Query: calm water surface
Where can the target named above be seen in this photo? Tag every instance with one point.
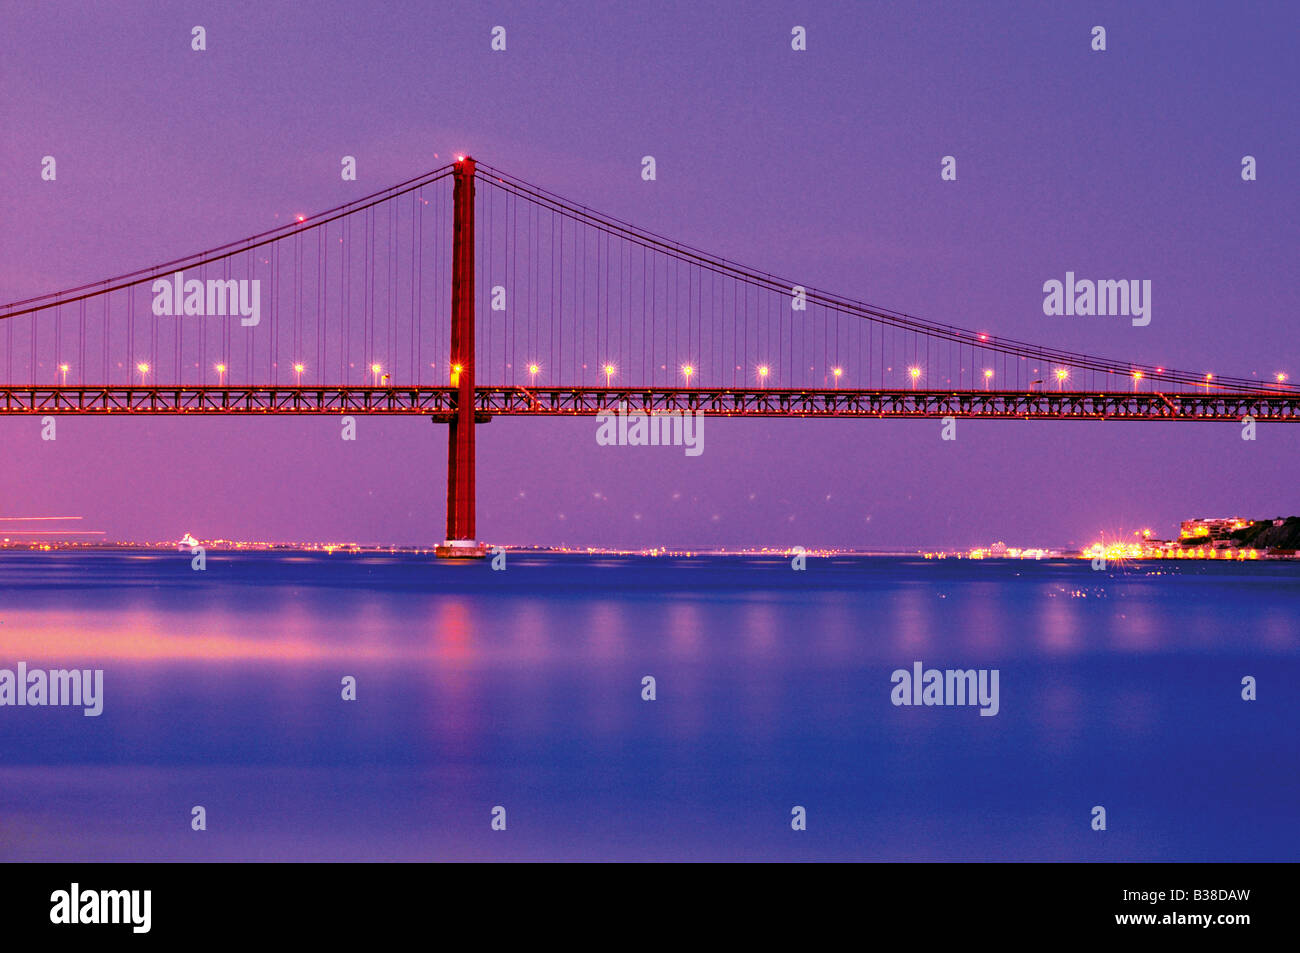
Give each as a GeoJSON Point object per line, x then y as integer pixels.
{"type": "Point", "coordinates": [523, 689]}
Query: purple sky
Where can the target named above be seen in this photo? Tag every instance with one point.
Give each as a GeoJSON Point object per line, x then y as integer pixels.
{"type": "Point", "coordinates": [822, 165]}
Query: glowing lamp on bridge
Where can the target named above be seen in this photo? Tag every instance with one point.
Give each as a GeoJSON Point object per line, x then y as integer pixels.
{"type": "Point", "coordinates": [1208, 379]}
{"type": "Point", "coordinates": [63, 369]}
{"type": "Point", "coordinates": [298, 369]}
{"type": "Point", "coordinates": [988, 374]}
{"type": "Point", "coordinates": [533, 370]}
{"type": "Point", "coordinates": [687, 371]}
{"type": "Point", "coordinates": [1281, 378]}
{"type": "Point", "coordinates": [1062, 375]}
{"type": "Point", "coordinates": [375, 369]}
{"type": "Point", "coordinates": [838, 372]}
{"type": "Point", "coordinates": [143, 368]}
{"type": "Point", "coordinates": [915, 374]}
{"type": "Point", "coordinates": [455, 375]}
{"type": "Point", "coordinates": [221, 375]}
{"type": "Point", "coordinates": [1137, 378]}
{"type": "Point", "coordinates": [763, 372]}
{"type": "Point", "coordinates": [609, 370]}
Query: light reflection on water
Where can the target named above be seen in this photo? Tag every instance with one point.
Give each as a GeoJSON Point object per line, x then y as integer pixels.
{"type": "Point", "coordinates": [524, 688]}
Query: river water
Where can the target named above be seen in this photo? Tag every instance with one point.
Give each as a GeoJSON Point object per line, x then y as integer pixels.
{"type": "Point", "coordinates": [523, 689]}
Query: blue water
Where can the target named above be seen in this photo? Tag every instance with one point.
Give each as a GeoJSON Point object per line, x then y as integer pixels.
{"type": "Point", "coordinates": [523, 689]}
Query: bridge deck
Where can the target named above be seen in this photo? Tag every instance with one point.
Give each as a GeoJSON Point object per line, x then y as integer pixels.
{"type": "Point", "coordinates": [440, 402]}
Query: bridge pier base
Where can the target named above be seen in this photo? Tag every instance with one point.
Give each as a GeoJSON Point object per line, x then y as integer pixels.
{"type": "Point", "coordinates": [461, 549]}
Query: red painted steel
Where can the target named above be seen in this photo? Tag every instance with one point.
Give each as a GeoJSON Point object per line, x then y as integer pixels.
{"type": "Point", "coordinates": [460, 440]}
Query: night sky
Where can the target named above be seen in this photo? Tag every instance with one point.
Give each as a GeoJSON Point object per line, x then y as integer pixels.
{"type": "Point", "coordinates": [822, 165]}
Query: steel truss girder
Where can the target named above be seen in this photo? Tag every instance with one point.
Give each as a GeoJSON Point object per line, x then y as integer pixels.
{"type": "Point", "coordinates": [441, 402]}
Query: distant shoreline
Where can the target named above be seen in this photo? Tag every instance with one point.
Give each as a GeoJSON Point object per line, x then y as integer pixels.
{"type": "Point", "coordinates": [1189, 554]}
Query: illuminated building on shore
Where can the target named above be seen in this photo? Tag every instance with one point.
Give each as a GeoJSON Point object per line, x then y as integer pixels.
{"type": "Point", "coordinates": [1213, 529]}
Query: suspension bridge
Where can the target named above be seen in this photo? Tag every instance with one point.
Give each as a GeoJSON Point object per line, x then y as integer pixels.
{"type": "Point", "coordinates": [467, 293]}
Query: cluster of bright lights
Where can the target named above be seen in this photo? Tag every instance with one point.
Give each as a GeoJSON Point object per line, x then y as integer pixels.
{"type": "Point", "coordinates": [1114, 552]}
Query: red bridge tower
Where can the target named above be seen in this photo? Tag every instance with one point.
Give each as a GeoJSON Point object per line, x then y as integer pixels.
{"type": "Point", "coordinates": [460, 541]}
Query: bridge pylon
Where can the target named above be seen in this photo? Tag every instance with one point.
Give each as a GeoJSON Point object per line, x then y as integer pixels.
{"type": "Point", "coordinates": [461, 542]}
